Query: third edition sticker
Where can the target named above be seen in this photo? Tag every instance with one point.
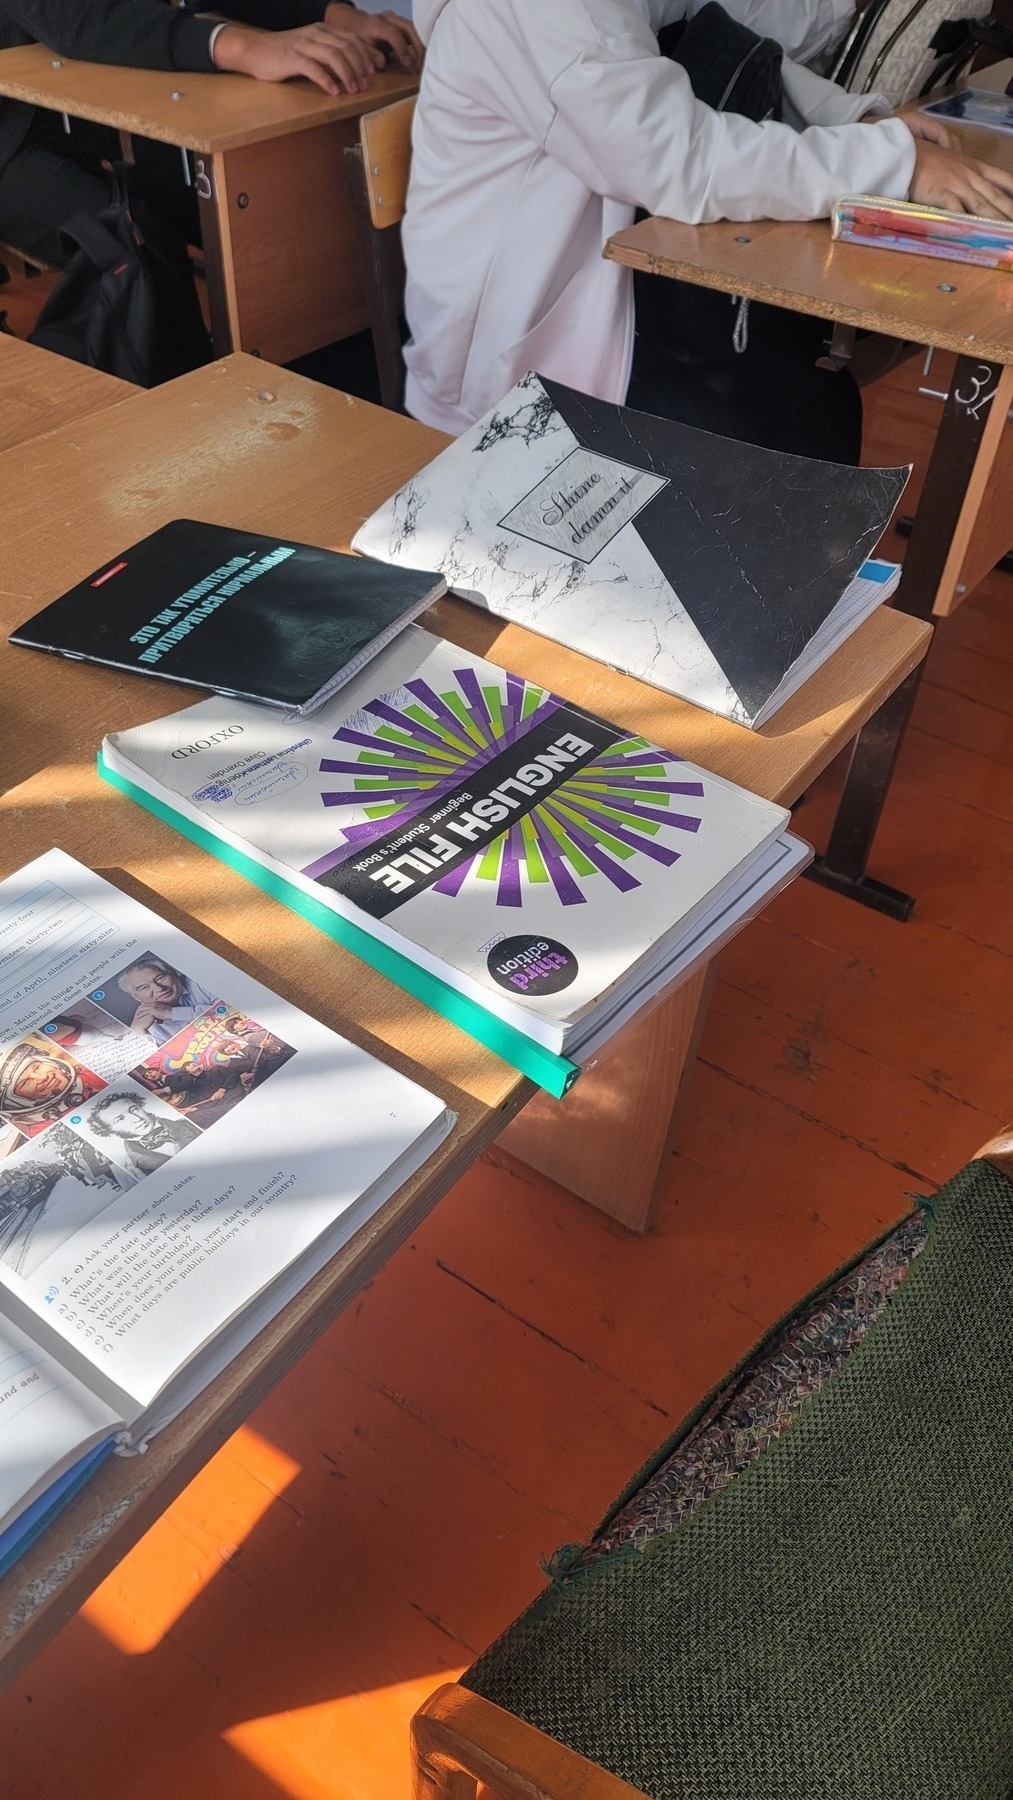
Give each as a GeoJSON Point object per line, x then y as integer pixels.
{"type": "Point", "coordinates": [529, 964]}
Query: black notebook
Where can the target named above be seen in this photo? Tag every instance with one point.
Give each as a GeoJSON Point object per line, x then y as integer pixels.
{"type": "Point", "coordinates": [719, 571]}
{"type": "Point", "coordinates": [258, 617]}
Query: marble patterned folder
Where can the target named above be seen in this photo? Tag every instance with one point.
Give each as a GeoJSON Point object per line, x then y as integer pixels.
{"type": "Point", "coordinates": [719, 571]}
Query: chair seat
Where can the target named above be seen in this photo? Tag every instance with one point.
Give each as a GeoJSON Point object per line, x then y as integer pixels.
{"type": "Point", "coordinates": [763, 1398]}
{"type": "Point", "coordinates": [808, 1595]}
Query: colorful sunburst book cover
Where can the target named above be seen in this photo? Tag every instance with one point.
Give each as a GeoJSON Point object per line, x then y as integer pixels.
{"type": "Point", "coordinates": [719, 571]}
{"type": "Point", "coordinates": [540, 861]}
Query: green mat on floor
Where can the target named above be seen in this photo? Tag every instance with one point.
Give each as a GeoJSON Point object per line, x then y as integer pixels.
{"type": "Point", "coordinates": [837, 1624]}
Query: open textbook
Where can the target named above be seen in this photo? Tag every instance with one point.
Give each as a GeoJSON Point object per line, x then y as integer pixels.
{"type": "Point", "coordinates": [180, 1151]}
{"type": "Point", "coordinates": [530, 870]}
{"type": "Point", "coordinates": [719, 571]}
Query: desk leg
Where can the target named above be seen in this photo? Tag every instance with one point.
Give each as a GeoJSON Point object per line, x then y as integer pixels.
{"type": "Point", "coordinates": [870, 772]}
{"type": "Point", "coordinates": [1003, 566]}
{"type": "Point", "coordinates": [965, 449]}
{"type": "Point", "coordinates": [608, 1140]}
{"type": "Point", "coordinates": [214, 254]}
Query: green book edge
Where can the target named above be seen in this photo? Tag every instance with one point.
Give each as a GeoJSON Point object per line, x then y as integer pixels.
{"type": "Point", "coordinates": [556, 1074]}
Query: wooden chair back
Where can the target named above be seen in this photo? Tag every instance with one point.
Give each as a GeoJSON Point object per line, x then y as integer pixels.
{"type": "Point", "coordinates": [460, 1739]}
{"type": "Point", "coordinates": [378, 167]}
{"type": "Point", "coordinates": [10, 254]}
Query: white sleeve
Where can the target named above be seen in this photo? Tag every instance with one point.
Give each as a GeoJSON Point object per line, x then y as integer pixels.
{"type": "Point", "coordinates": [626, 122]}
{"type": "Point", "coordinates": [810, 100]}
{"type": "Point", "coordinates": [803, 28]}
{"type": "Point", "coordinates": [213, 39]}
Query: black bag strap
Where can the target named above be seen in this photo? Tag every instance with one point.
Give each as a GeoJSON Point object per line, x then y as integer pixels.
{"type": "Point", "coordinates": [853, 47]}
{"type": "Point", "coordinates": [755, 52]}
{"type": "Point", "coordinates": [85, 232]}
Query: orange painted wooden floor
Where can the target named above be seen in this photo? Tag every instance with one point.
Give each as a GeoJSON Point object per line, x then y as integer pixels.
{"type": "Point", "coordinates": [384, 1515]}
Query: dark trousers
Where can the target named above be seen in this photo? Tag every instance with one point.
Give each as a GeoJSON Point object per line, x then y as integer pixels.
{"type": "Point", "coordinates": [56, 174]}
{"type": "Point", "coordinates": [686, 367]}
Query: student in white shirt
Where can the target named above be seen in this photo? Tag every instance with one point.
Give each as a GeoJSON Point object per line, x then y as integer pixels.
{"type": "Point", "coordinates": [543, 124]}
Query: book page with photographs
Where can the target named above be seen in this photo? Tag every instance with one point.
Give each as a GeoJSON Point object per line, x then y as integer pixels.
{"type": "Point", "coordinates": [172, 1134]}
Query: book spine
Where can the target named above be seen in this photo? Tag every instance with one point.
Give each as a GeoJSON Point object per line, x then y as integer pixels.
{"type": "Point", "coordinates": [20, 1536]}
{"type": "Point", "coordinates": [556, 1074]}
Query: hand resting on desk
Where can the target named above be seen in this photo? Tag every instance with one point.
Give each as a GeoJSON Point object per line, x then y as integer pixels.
{"type": "Point", "coordinates": [387, 31]}
{"type": "Point", "coordinates": [960, 183]}
{"type": "Point", "coordinates": [339, 61]}
{"type": "Point", "coordinates": [944, 176]}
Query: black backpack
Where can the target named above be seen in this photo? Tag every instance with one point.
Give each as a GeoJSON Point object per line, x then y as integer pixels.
{"type": "Point", "coordinates": [730, 68]}
{"type": "Point", "coordinates": [689, 338]}
{"type": "Point", "coordinates": [126, 301]}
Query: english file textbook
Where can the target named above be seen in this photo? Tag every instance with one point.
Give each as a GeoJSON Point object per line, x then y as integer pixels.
{"type": "Point", "coordinates": [530, 869]}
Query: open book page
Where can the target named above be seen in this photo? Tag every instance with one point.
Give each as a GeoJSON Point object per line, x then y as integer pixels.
{"type": "Point", "coordinates": [48, 1421]}
{"type": "Point", "coordinates": [975, 106]}
{"type": "Point", "coordinates": [174, 1135]}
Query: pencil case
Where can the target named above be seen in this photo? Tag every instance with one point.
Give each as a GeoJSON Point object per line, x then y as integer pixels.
{"type": "Point", "coordinates": [923, 230]}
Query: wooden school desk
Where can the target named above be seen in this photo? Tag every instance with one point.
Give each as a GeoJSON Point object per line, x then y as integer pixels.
{"type": "Point", "coordinates": [240, 444]}
{"type": "Point", "coordinates": [237, 443]}
{"type": "Point", "coordinates": [280, 244]}
{"type": "Point", "coordinates": [39, 391]}
{"type": "Point", "coordinates": [964, 522]}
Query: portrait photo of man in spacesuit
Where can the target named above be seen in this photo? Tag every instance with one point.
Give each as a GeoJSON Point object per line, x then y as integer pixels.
{"type": "Point", "coordinates": [41, 1082]}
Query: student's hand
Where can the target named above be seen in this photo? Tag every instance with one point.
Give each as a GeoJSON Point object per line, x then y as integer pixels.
{"type": "Point", "coordinates": [960, 183]}
{"type": "Point", "coordinates": [920, 125]}
{"type": "Point", "coordinates": [340, 62]}
{"type": "Point", "coordinates": [386, 30]}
